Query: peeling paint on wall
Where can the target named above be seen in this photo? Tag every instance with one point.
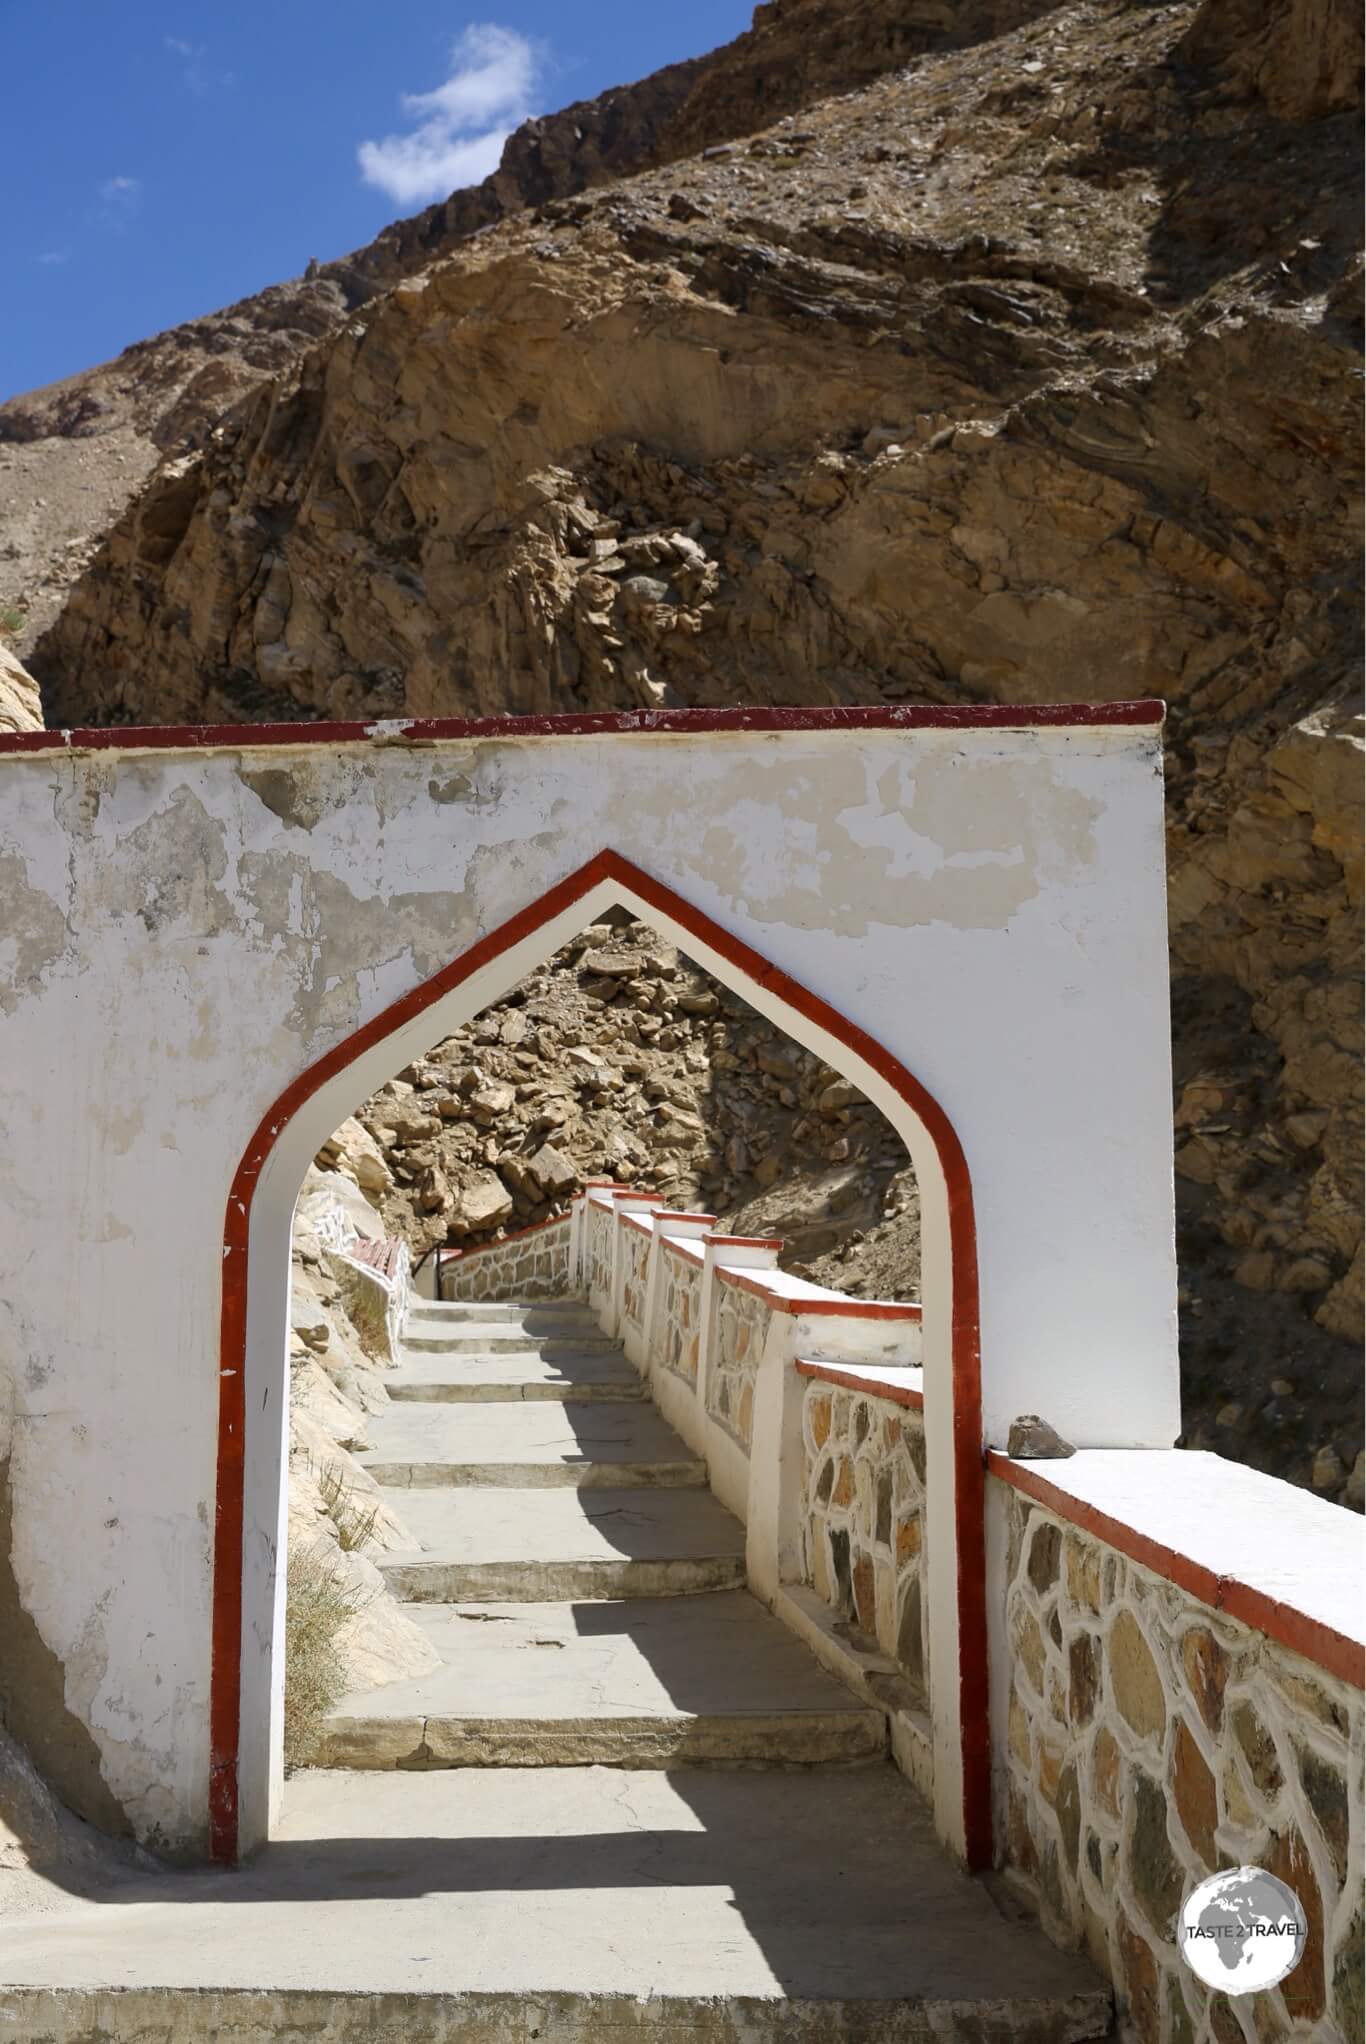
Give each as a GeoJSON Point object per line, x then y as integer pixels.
{"type": "Point", "coordinates": [32, 933]}
{"type": "Point", "coordinates": [186, 933]}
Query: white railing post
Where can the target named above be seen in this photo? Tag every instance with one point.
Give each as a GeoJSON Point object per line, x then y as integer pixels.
{"type": "Point", "coordinates": [574, 1276]}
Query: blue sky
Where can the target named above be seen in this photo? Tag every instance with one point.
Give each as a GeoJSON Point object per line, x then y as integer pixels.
{"type": "Point", "coordinates": [161, 160]}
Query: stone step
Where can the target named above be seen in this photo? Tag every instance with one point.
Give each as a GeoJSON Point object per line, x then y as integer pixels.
{"type": "Point", "coordinates": [641, 1683]}
{"type": "Point", "coordinates": [483, 1313]}
{"type": "Point", "coordinates": [498, 1378]}
{"type": "Point", "coordinates": [476, 1340]}
{"type": "Point", "coordinates": [478, 1905]}
{"type": "Point", "coordinates": [523, 1444]}
{"type": "Point", "coordinates": [534, 1545]}
{"type": "Point", "coordinates": [498, 1309]}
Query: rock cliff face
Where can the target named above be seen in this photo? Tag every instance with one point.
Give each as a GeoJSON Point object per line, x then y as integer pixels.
{"type": "Point", "coordinates": [21, 706]}
{"type": "Point", "coordinates": [1022, 368]}
{"type": "Point", "coordinates": [73, 454]}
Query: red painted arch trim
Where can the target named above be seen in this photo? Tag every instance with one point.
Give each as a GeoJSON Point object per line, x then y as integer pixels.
{"type": "Point", "coordinates": [969, 1471]}
{"type": "Point", "coordinates": [1320, 1643]}
{"type": "Point", "coordinates": [605, 723]}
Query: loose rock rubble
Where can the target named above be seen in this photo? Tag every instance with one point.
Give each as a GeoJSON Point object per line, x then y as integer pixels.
{"type": "Point", "coordinates": [622, 1060]}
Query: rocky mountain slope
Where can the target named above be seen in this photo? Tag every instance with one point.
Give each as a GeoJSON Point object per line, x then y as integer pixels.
{"type": "Point", "coordinates": [74, 453]}
{"type": "Point", "coordinates": [1023, 365]}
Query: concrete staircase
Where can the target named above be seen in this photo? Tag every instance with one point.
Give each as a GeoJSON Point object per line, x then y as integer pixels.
{"type": "Point", "coordinates": [629, 1808]}
{"type": "Point", "coordinates": [583, 1588]}
{"type": "Point", "coordinates": [610, 1688]}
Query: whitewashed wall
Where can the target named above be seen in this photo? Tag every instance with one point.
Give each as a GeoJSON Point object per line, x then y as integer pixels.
{"type": "Point", "coordinates": [186, 932]}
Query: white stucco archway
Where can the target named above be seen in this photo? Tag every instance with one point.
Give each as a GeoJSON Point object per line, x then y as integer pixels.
{"type": "Point", "coordinates": [215, 933]}
{"type": "Point", "coordinates": [247, 1704]}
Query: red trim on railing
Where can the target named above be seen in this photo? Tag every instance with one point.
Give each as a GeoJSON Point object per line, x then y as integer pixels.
{"type": "Point", "coordinates": [746, 1241]}
{"type": "Point", "coordinates": [458, 1255]}
{"type": "Point", "coordinates": [384, 1255]}
{"type": "Point", "coordinates": [640, 1222]}
{"type": "Point", "coordinates": [687, 1246]}
{"type": "Point", "coordinates": [831, 1373]}
{"type": "Point", "coordinates": [1323, 1644]}
{"type": "Point", "coordinates": [969, 1474]}
{"type": "Point", "coordinates": [407, 731]}
{"type": "Point", "coordinates": [831, 1304]}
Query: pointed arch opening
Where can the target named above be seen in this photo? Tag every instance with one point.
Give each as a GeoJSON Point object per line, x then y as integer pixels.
{"type": "Point", "coordinates": [247, 1669]}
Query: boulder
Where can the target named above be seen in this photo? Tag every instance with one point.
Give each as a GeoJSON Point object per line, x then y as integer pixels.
{"type": "Point", "coordinates": [491, 1102]}
{"type": "Point", "coordinates": [479, 1201]}
{"type": "Point", "coordinates": [555, 1174]}
{"type": "Point", "coordinates": [353, 1151]}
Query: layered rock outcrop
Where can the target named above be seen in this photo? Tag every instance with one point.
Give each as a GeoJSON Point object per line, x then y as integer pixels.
{"type": "Point", "coordinates": [74, 453]}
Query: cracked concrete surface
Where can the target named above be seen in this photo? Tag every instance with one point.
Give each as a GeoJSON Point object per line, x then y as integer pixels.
{"type": "Point", "coordinates": [653, 1681]}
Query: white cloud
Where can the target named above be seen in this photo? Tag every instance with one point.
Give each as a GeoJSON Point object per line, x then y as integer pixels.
{"type": "Point", "coordinates": [120, 200]}
{"type": "Point", "coordinates": [50, 257]}
{"type": "Point", "coordinates": [197, 74]}
{"type": "Point", "coordinates": [461, 125]}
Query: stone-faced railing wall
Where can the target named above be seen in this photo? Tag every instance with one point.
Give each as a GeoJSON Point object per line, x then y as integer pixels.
{"type": "Point", "coordinates": [635, 1254]}
{"type": "Point", "coordinates": [532, 1264]}
{"type": "Point", "coordinates": [740, 1318]}
{"type": "Point", "coordinates": [1175, 1686]}
{"type": "Point", "coordinates": [374, 1275]}
{"type": "Point", "coordinates": [677, 1336]}
{"type": "Point", "coordinates": [863, 1486]}
{"type": "Point", "coordinates": [1153, 1738]}
{"type": "Point", "coordinates": [376, 1283]}
{"type": "Point", "coordinates": [600, 1239]}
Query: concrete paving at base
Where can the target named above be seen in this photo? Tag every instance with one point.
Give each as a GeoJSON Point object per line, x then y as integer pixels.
{"type": "Point", "coordinates": [498, 1378]}
{"type": "Point", "coordinates": [529, 1444]}
{"type": "Point", "coordinates": [640, 1683]}
{"type": "Point", "coordinates": [579, 1905]}
{"type": "Point", "coordinates": [536, 1545]}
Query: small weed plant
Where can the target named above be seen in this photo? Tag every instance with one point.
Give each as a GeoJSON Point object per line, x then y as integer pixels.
{"type": "Point", "coordinates": [317, 1607]}
{"type": "Point", "coordinates": [355, 1523]}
